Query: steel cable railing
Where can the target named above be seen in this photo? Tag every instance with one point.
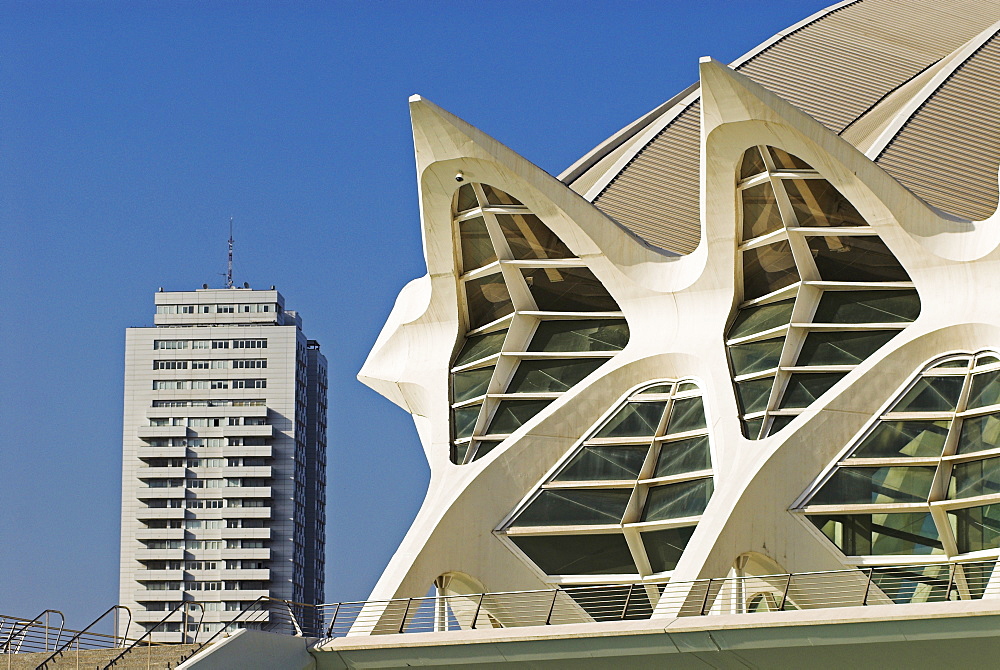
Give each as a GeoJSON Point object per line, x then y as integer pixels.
{"type": "Point", "coordinates": [30, 635]}
{"type": "Point", "coordinates": [86, 639]}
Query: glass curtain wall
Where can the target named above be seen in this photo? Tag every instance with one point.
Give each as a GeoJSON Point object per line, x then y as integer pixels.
{"type": "Point", "coordinates": [537, 320]}
{"type": "Point", "coordinates": [820, 291]}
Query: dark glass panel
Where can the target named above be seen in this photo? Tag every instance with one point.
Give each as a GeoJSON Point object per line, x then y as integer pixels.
{"type": "Point", "coordinates": [760, 211]}
{"type": "Point", "coordinates": [985, 389]}
{"type": "Point", "coordinates": [664, 547]}
{"type": "Point", "coordinates": [686, 386]}
{"type": "Point", "coordinates": [635, 419]}
{"type": "Point", "coordinates": [931, 394]}
{"type": "Point", "coordinates": [488, 299]}
{"type": "Point", "coordinates": [511, 414]}
{"type": "Point", "coordinates": [495, 196]}
{"type": "Point", "coordinates": [595, 463]}
{"type": "Point", "coordinates": [686, 414]}
{"type": "Point", "coordinates": [461, 450]}
{"type": "Point", "coordinates": [469, 384]}
{"type": "Point", "coordinates": [612, 602]}
{"type": "Point", "coordinates": [786, 161]}
{"type": "Point", "coordinates": [466, 198]}
{"type": "Point", "coordinates": [762, 317]}
{"type": "Point", "coordinates": [893, 439]}
{"type": "Point", "coordinates": [569, 507]}
{"type": "Point", "coordinates": [675, 501]}
{"type": "Point", "coordinates": [568, 290]}
{"type": "Point", "coordinates": [817, 203]}
{"type": "Point", "coordinates": [551, 376]}
{"type": "Point", "coordinates": [881, 534]}
{"type": "Point", "coordinates": [914, 584]}
{"type": "Point", "coordinates": [659, 389]}
{"type": "Point", "coordinates": [987, 359]}
{"type": "Point", "coordinates": [480, 346]}
{"type": "Point", "coordinates": [529, 238]}
{"type": "Point", "coordinates": [580, 335]}
{"type": "Point", "coordinates": [752, 428]}
{"type": "Point", "coordinates": [753, 395]}
{"type": "Point", "coordinates": [756, 356]}
{"type": "Point", "coordinates": [850, 486]}
{"type": "Point", "coordinates": [957, 363]}
{"type": "Point", "coordinates": [484, 447]}
{"type": "Point", "coordinates": [805, 387]}
{"type": "Point", "coordinates": [978, 574]}
{"type": "Point", "coordinates": [767, 269]}
{"type": "Point", "coordinates": [578, 554]}
{"type": "Point", "coordinates": [688, 455]}
{"type": "Point", "coordinates": [778, 422]}
{"type": "Point", "coordinates": [855, 259]}
{"type": "Point", "coordinates": [868, 307]}
{"type": "Point", "coordinates": [977, 478]}
{"type": "Point", "coordinates": [977, 528]}
{"type": "Point", "coordinates": [464, 420]}
{"type": "Point", "coordinates": [842, 347]}
{"type": "Point", "coordinates": [979, 433]}
{"type": "Point", "coordinates": [477, 250]}
{"type": "Point", "coordinates": [752, 163]}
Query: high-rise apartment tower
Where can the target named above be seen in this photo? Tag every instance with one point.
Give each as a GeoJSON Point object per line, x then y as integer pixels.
{"type": "Point", "coordinates": [224, 459]}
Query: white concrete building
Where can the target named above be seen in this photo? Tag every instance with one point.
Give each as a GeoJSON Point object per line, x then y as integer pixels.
{"type": "Point", "coordinates": [223, 459]}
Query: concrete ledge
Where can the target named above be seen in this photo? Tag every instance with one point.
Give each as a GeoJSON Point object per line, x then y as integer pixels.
{"type": "Point", "coordinates": [254, 650]}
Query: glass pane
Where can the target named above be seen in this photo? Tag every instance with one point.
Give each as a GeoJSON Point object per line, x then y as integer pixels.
{"type": "Point", "coordinates": [484, 447]}
{"type": "Point", "coordinates": [461, 449]}
{"type": "Point", "coordinates": [469, 384]}
{"type": "Point", "coordinates": [495, 196]}
{"type": "Point", "coordinates": [464, 420]}
{"type": "Point", "coordinates": [760, 211]}
{"type": "Point", "coordinates": [764, 317]}
{"type": "Point", "coordinates": [686, 386]}
{"type": "Point", "coordinates": [477, 250]}
{"type": "Point", "coordinates": [977, 478]}
{"type": "Point", "coordinates": [578, 554]}
{"type": "Point", "coordinates": [574, 508]}
{"type": "Point", "coordinates": [751, 428]}
{"type": "Point", "coordinates": [881, 534]}
{"type": "Point", "coordinates": [582, 335]}
{"type": "Point", "coordinates": [480, 346]}
{"type": "Point", "coordinates": [986, 359]}
{"type": "Point", "coordinates": [686, 414]}
{"type": "Point", "coordinates": [817, 203]}
{"type": "Point", "coordinates": [842, 348]}
{"type": "Point", "coordinates": [915, 584]}
{"type": "Point", "coordinates": [767, 269]}
{"type": "Point", "coordinates": [603, 464]}
{"type": "Point", "coordinates": [850, 486]}
{"type": "Point", "coordinates": [753, 395]}
{"type": "Point", "coordinates": [985, 389]}
{"type": "Point", "coordinates": [635, 419]}
{"type": "Point", "coordinates": [568, 290]}
{"type": "Point", "coordinates": [688, 455]}
{"type": "Point", "coordinates": [466, 198]}
{"type": "Point", "coordinates": [538, 376]}
{"type": "Point", "coordinates": [803, 388]}
{"type": "Point", "coordinates": [756, 356]}
{"type": "Point", "coordinates": [977, 528]}
{"type": "Point", "coordinates": [488, 300]}
{"type": "Point", "coordinates": [894, 439]}
{"type": "Point", "coordinates": [786, 161]}
{"type": "Point", "coordinates": [611, 602]}
{"type": "Point", "coordinates": [979, 434]}
{"type": "Point", "coordinates": [511, 414]}
{"type": "Point", "coordinates": [664, 547]}
{"type": "Point", "coordinates": [779, 422]}
{"type": "Point", "coordinates": [675, 501]}
{"type": "Point", "coordinates": [752, 163]}
{"type": "Point", "coordinates": [855, 259]}
{"type": "Point", "coordinates": [931, 394]}
{"type": "Point", "coordinates": [529, 238]}
{"type": "Point", "coordinates": [955, 363]}
{"type": "Point", "coordinates": [659, 389]}
{"type": "Point", "coordinates": [867, 307]}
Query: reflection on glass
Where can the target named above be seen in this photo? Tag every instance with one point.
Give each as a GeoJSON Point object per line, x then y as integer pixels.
{"type": "Point", "coordinates": [850, 486]}
{"type": "Point", "coordinates": [931, 394]}
{"type": "Point", "coordinates": [976, 528]}
{"type": "Point", "coordinates": [868, 307]}
{"type": "Point", "coordinates": [469, 384]}
{"type": "Point", "coordinates": [664, 547]}
{"type": "Point", "coordinates": [986, 359]}
{"type": "Point", "coordinates": [686, 386]}
{"type": "Point", "coordinates": [574, 507]}
{"type": "Point", "coordinates": [756, 356]}
{"type": "Point", "coordinates": [778, 422]}
{"type": "Point", "coordinates": [895, 439]}
{"type": "Point", "coordinates": [817, 203]}
{"type": "Point", "coordinates": [881, 534]}
{"type": "Point", "coordinates": [757, 319]}
{"type": "Point", "coordinates": [480, 346]}
{"type": "Point", "coordinates": [568, 290]}
{"type": "Point", "coordinates": [551, 376]}
{"type": "Point", "coordinates": [464, 420]}
{"type": "Point", "coordinates": [805, 387]}
{"type": "Point", "coordinates": [675, 501]}
{"type": "Point", "coordinates": [914, 584]}
{"type": "Point", "coordinates": [659, 389]}
{"type": "Point", "coordinates": [760, 211]}
{"type": "Point", "coordinates": [488, 300]}
{"type": "Point", "coordinates": [466, 198]}
{"type": "Point", "coordinates": [495, 196]}
{"type": "Point", "coordinates": [753, 395]}
{"type": "Point", "coordinates": [529, 238]}
{"type": "Point", "coordinates": [855, 259]}
{"type": "Point", "coordinates": [979, 433]}
{"type": "Point", "coordinates": [578, 554]}
{"type": "Point", "coordinates": [511, 414]}
{"type": "Point", "coordinates": [751, 428]}
{"type": "Point", "coordinates": [752, 163]}
{"type": "Point", "coordinates": [595, 463]}
{"type": "Point", "coordinates": [686, 414]}
{"type": "Point", "coordinates": [461, 450]}
{"type": "Point", "coordinates": [767, 269]}
{"type": "Point", "coordinates": [842, 347]}
{"type": "Point", "coordinates": [786, 161]}
{"type": "Point", "coordinates": [477, 250]}
{"type": "Point", "coordinates": [582, 335]}
{"type": "Point", "coordinates": [635, 419]}
{"type": "Point", "coordinates": [978, 478]}
{"type": "Point", "coordinates": [690, 455]}
{"type": "Point", "coordinates": [484, 447]}
{"type": "Point", "coordinates": [985, 389]}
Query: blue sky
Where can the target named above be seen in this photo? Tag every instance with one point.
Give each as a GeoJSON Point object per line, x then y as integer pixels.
{"type": "Point", "coordinates": [130, 132]}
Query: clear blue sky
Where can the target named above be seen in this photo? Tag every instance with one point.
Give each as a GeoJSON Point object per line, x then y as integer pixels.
{"type": "Point", "coordinates": [131, 131]}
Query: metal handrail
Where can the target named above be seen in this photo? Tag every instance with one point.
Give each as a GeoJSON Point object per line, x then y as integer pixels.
{"type": "Point", "coordinates": [226, 626]}
{"type": "Point", "coordinates": [24, 627]}
{"type": "Point", "coordinates": [185, 604]}
{"type": "Point", "coordinates": [64, 647]}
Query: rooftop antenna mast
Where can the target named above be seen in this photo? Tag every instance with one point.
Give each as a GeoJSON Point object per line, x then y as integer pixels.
{"type": "Point", "coordinates": [229, 270]}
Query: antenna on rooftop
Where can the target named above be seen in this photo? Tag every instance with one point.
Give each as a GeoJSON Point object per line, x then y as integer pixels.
{"type": "Point", "coordinates": [229, 270]}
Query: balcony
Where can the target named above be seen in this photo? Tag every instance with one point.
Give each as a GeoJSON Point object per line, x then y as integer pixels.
{"type": "Point", "coordinates": [257, 575]}
{"type": "Point", "coordinates": [159, 534]}
{"type": "Point", "coordinates": [256, 554]}
{"type": "Point", "coordinates": [158, 576]}
{"type": "Point", "coordinates": [247, 492]}
{"type": "Point", "coordinates": [163, 555]}
{"type": "Point", "coordinates": [248, 431]}
{"type": "Point", "coordinates": [159, 473]}
{"type": "Point", "coordinates": [160, 513]}
{"type": "Point", "coordinates": [149, 432]}
{"type": "Point", "coordinates": [262, 450]}
{"type": "Point", "coordinates": [146, 595]}
{"type": "Point", "coordinates": [162, 452]}
{"type": "Point", "coordinates": [208, 412]}
{"type": "Point", "coordinates": [157, 492]}
{"type": "Point", "coordinates": [246, 533]}
{"type": "Point", "coordinates": [248, 512]}
{"type": "Point", "coordinates": [242, 595]}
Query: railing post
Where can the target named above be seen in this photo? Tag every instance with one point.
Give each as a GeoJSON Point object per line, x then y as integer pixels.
{"type": "Point", "coordinates": [704, 602]}
{"type": "Point", "coordinates": [479, 606]}
{"type": "Point", "coordinates": [628, 599]}
{"type": "Point", "coordinates": [951, 581]}
{"type": "Point", "coordinates": [552, 607]}
{"type": "Point", "coordinates": [406, 612]}
{"type": "Point", "coordinates": [868, 586]}
{"type": "Point", "coordinates": [329, 631]}
{"type": "Point", "coordinates": [784, 594]}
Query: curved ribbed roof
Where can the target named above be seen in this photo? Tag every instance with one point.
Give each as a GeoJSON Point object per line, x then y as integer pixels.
{"type": "Point", "coordinates": [836, 66]}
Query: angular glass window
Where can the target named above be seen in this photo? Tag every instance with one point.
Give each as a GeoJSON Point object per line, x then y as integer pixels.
{"type": "Point", "coordinates": [895, 439]}
{"type": "Point", "coordinates": [768, 268]}
{"type": "Point", "coordinates": [914, 584]}
{"type": "Point", "coordinates": [868, 307]}
{"type": "Point", "coordinates": [977, 478]}
{"type": "Point", "coordinates": [855, 486]}
{"type": "Point", "coordinates": [756, 356]}
{"type": "Point", "coordinates": [659, 389]}
{"type": "Point", "coordinates": [464, 420]}
{"type": "Point", "coordinates": [690, 455]}
{"type": "Point", "coordinates": [751, 428]}
{"type": "Point", "coordinates": [568, 290]}
{"type": "Point", "coordinates": [676, 501]}
{"type": "Point", "coordinates": [753, 395]}
{"type": "Point", "coordinates": [979, 434]}
{"type": "Point", "coordinates": [881, 534]}
{"type": "Point", "coordinates": [976, 528]}
{"type": "Point", "coordinates": [582, 335]}
{"type": "Point", "coordinates": [495, 196]}
{"type": "Point", "coordinates": [686, 414]}
{"type": "Point", "coordinates": [461, 451]}
{"type": "Point", "coordinates": [817, 203]}
{"type": "Point", "coordinates": [596, 463]}
{"type": "Point", "coordinates": [931, 394]}
{"type": "Point", "coordinates": [477, 250]}
{"type": "Point", "coordinates": [551, 376]}
{"type": "Point", "coordinates": [804, 388]}
{"type": "Point", "coordinates": [512, 414]}
{"type": "Point", "coordinates": [469, 384]}
{"type": "Point", "coordinates": [753, 320]}
{"type": "Point", "coordinates": [483, 447]}
{"type": "Point", "coordinates": [529, 238]}
{"type": "Point", "coordinates": [488, 300]}
{"type": "Point", "coordinates": [842, 347]}
{"type": "Point", "coordinates": [466, 198]}
{"type": "Point", "coordinates": [752, 163]}
{"type": "Point", "coordinates": [574, 507]}
{"type": "Point", "coordinates": [786, 161]}
{"type": "Point", "coordinates": [778, 422]}
{"type": "Point", "coordinates": [589, 554]}
{"type": "Point", "coordinates": [664, 547]}
{"type": "Point", "coordinates": [985, 390]}
{"type": "Point", "coordinates": [636, 419]}
{"type": "Point", "coordinates": [480, 346]}
{"type": "Point", "coordinates": [760, 211]}
{"type": "Point", "coordinates": [855, 259]}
